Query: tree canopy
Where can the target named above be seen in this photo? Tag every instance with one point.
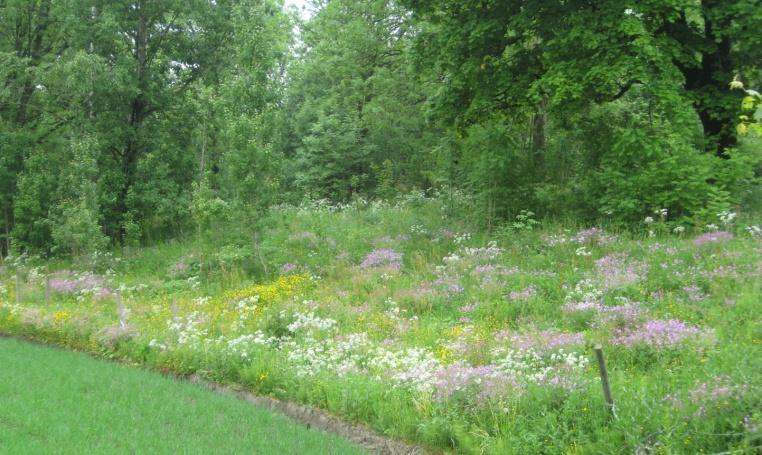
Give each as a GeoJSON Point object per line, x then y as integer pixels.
{"type": "Point", "coordinates": [140, 120]}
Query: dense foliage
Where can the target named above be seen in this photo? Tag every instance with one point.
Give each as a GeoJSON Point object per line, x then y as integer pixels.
{"type": "Point", "coordinates": [131, 122]}
{"type": "Point", "coordinates": [111, 111]}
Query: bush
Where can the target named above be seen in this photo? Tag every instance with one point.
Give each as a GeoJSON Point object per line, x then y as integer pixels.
{"type": "Point", "coordinates": [77, 230]}
{"type": "Point", "coordinates": [650, 170]}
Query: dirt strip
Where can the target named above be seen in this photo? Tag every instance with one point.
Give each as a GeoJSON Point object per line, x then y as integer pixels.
{"type": "Point", "coordinates": [313, 417]}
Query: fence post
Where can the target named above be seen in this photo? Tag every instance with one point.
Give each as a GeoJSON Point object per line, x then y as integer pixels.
{"type": "Point", "coordinates": [259, 254]}
{"type": "Point", "coordinates": [121, 310]}
{"type": "Point", "coordinates": [605, 379]}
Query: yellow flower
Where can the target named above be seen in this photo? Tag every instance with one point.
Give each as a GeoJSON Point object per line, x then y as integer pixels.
{"type": "Point", "coordinates": [61, 316]}
{"type": "Point", "coordinates": [283, 287]}
{"type": "Point", "coordinates": [444, 353]}
{"type": "Point", "coordinates": [456, 330]}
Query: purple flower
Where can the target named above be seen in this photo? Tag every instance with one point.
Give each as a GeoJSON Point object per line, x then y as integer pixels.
{"type": "Point", "coordinates": [468, 308]}
{"type": "Point", "coordinates": [593, 234]}
{"type": "Point", "coordinates": [454, 288]}
{"type": "Point", "coordinates": [718, 388]}
{"type": "Point", "coordinates": [287, 268]}
{"type": "Point", "coordinates": [722, 271]}
{"type": "Point", "coordinates": [544, 273]}
{"type": "Point", "coordinates": [628, 312]}
{"type": "Point", "coordinates": [694, 293]}
{"type": "Point", "coordinates": [382, 240]}
{"type": "Point", "coordinates": [489, 269]}
{"type": "Point", "coordinates": [387, 239]}
{"type": "Point", "coordinates": [66, 283]}
{"type": "Point", "coordinates": [704, 394]}
{"type": "Point", "coordinates": [712, 237]}
{"type": "Point", "coordinates": [423, 291]}
{"type": "Point", "coordinates": [308, 237]}
{"type": "Point", "coordinates": [449, 285]}
{"type": "Point", "coordinates": [446, 233]}
{"type": "Point", "coordinates": [614, 271]}
{"type": "Point", "coordinates": [179, 268]}
{"type": "Point", "coordinates": [586, 305]}
{"type": "Point", "coordinates": [382, 258]}
{"type": "Point", "coordinates": [523, 294]}
{"type": "Point", "coordinates": [490, 274]}
{"type": "Point", "coordinates": [657, 333]}
{"type": "Point", "coordinates": [485, 382]}
{"type": "Point", "coordinates": [547, 340]}
{"type": "Point", "coordinates": [586, 235]}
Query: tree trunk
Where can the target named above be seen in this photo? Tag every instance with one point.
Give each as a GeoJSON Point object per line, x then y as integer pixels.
{"type": "Point", "coordinates": [133, 149]}
{"type": "Point", "coordinates": [708, 83]}
{"type": "Point", "coordinates": [32, 49]}
{"type": "Point", "coordinates": [538, 136]}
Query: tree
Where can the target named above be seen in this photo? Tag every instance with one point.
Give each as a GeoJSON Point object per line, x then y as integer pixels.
{"type": "Point", "coordinates": [125, 74]}
{"type": "Point", "coordinates": [32, 35]}
{"type": "Point", "coordinates": [508, 54]}
{"type": "Point", "coordinates": [356, 102]}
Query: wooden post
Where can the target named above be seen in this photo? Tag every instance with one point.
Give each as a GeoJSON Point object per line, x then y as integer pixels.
{"type": "Point", "coordinates": [121, 310]}
{"type": "Point", "coordinates": [173, 309]}
{"type": "Point", "coordinates": [605, 379]}
{"type": "Point", "coordinates": [259, 254]}
{"type": "Point", "coordinates": [18, 286]}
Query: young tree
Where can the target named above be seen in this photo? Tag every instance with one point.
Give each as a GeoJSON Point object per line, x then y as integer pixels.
{"type": "Point", "coordinates": [356, 102]}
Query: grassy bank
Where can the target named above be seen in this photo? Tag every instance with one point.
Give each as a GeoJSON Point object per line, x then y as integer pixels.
{"type": "Point", "coordinates": [425, 327]}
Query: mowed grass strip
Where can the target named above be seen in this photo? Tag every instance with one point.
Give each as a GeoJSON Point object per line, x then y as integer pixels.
{"type": "Point", "coordinates": [56, 401]}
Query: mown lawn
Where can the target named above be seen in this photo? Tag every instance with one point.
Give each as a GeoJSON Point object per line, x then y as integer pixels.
{"type": "Point", "coordinates": [55, 401]}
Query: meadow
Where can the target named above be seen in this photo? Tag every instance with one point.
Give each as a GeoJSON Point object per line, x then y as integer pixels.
{"type": "Point", "coordinates": [430, 329]}
{"type": "Point", "coordinates": [55, 401]}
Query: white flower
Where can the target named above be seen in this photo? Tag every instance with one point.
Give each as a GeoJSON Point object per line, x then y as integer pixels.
{"type": "Point", "coordinates": [754, 231]}
{"type": "Point", "coordinates": [582, 251]}
{"type": "Point", "coordinates": [418, 229]}
{"type": "Point", "coordinates": [451, 258]}
{"type": "Point", "coordinates": [489, 252]}
{"type": "Point", "coordinates": [310, 321]}
{"type": "Point", "coordinates": [679, 229]}
{"type": "Point", "coordinates": [726, 217]}
{"type": "Point", "coordinates": [712, 227]}
{"type": "Point", "coordinates": [462, 238]}
{"type": "Point", "coordinates": [154, 343]}
{"type": "Point", "coordinates": [648, 220]}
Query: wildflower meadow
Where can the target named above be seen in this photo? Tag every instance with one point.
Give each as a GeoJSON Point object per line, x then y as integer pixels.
{"type": "Point", "coordinates": [432, 330]}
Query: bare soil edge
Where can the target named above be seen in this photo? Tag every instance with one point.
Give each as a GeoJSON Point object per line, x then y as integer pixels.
{"type": "Point", "coordinates": [310, 417]}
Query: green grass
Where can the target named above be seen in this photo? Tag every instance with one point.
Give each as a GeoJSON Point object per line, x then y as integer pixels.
{"type": "Point", "coordinates": [55, 401]}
